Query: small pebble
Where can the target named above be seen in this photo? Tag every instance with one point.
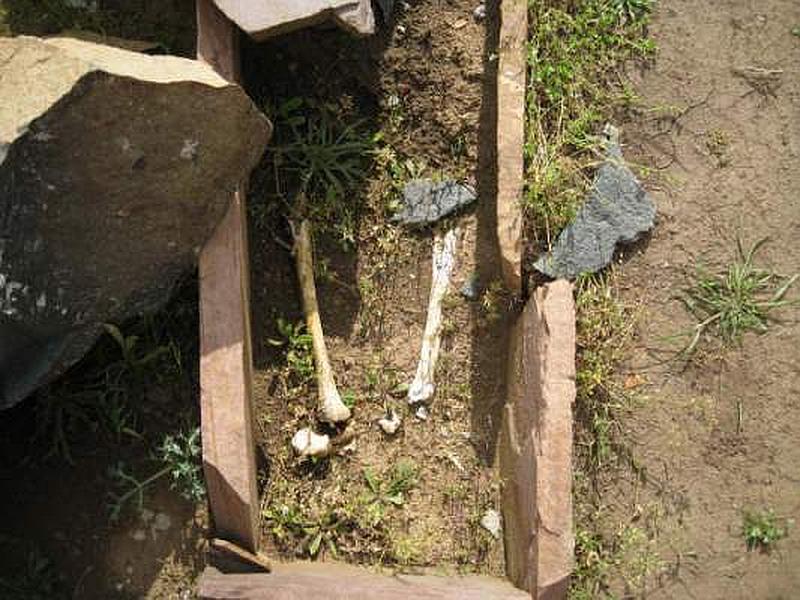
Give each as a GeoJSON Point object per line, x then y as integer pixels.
{"type": "Point", "coordinates": [491, 523]}
{"type": "Point", "coordinates": [390, 423]}
{"type": "Point", "coordinates": [471, 290]}
{"type": "Point", "coordinates": [162, 522]}
{"type": "Point", "coordinates": [480, 12]}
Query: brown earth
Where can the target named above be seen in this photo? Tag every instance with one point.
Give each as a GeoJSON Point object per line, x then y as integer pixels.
{"type": "Point", "coordinates": [720, 436]}
{"type": "Point", "coordinates": [373, 303]}
{"type": "Point", "coordinates": [374, 297]}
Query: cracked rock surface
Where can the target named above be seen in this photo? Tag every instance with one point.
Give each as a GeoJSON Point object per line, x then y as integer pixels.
{"type": "Point", "coordinates": [116, 168]}
{"type": "Point", "coordinates": [618, 211]}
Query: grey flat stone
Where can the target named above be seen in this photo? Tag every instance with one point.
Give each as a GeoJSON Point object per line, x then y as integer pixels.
{"type": "Point", "coordinates": [618, 211]}
{"type": "Point", "coordinates": [261, 20]}
{"type": "Point", "coordinates": [426, 201]}
{"type": "Point", "coordinates": [118, 167]}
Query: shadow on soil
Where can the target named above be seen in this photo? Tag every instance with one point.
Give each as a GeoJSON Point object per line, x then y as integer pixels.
{"type": "Point", "coordinates": [490, 343]}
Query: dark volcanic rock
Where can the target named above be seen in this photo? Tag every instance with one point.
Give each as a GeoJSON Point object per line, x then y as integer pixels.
{"type": "Point", "coordinates": [618, 210]}
{"type": "Point", "coordinates": [425, 201]}
{"type": "Point", "coordinates": [117, 168]}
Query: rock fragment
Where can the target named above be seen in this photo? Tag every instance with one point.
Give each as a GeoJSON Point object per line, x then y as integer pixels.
{"type": "Point", "coordinates": [261, 20]}
{"type": "Point", "coordinates": [309, 444]}
{"type": "Point", "coordinates": [491, 523]}
{"type": "Point", "coordinates": [618, 211]}
{"type": "Point", "coordinates": [426, 201]}
{"type": "Point", "coordinates": [117, 168]}
{"type": "Point", "coordinates": [390, 423]}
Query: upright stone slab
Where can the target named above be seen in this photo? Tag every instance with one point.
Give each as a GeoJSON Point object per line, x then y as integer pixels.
{"type": "Point", "coordinates": [511, 70]}
{"type": "Point", "coordinates": [226, 411]}
{"type": "Point", "coordinates": [116, 168]}
{"type": "Point", "coordinates": [261, 20]}
{"type": "Point", "coordinates": [536, 444]}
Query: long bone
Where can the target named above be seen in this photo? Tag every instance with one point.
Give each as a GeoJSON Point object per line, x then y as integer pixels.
{"type": "Point", "coordinates": [332, 409]}
{"type": "Point", "coordinates": [423, 386]}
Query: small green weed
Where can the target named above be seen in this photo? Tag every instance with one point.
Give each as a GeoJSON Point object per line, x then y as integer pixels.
{"type": "Point", "coordinates": [388, 490]}
{"type": "Point", "coordinates": [739, 300]}
{"type": "Point", "coordinates": [761, 530]}
{"type": "Point", "coordinates": [324, 159]}
{"type": "Point", "coordinates": [593, 562]}
{"type": "Point", "coordinates": [627, 557]}
{"type": "Point", "coordinates": [397, 171]}
{"type": "Point", "coordinates": [311, 532]}
{"type": "Point", "coordinates": [180, 457]}
{"type": "Point", "coordinates": [299, 349]}
{"type": "Point", "coordinates": [99, 398]}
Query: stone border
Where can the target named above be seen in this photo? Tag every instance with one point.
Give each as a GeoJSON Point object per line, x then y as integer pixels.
{"type": "Point", "coordinates": [536, 444]}
{"type": "Point", "coordinates": [330, 581]}
{"type": "Point", "coordinates": [226, 416]}
{"type": "Point", "coordinates": [511, 72]}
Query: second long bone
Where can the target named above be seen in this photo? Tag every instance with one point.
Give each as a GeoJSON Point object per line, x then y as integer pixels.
{"type": "Point", "coordinates": [423, 387]}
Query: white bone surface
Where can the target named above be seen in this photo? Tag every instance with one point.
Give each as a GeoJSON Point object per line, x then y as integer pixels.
{"type": "Point", "coordinates": [332, 409]}
{"type": "Point", "coordinates": [307, 443]}
{"type": "Point", "coordinates": [444, 259]}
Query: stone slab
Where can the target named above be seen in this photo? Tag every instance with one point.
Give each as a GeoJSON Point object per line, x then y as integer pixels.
{"type": "Point", "coordinates": [261, 20]}
{"type": "Point", "coordinates": [536, 444]}
{"type": "Point", "coordinates": [226, 411]}
{"type": "Point", "coordinates": [301, 581]}
{"type": "Point", "coordinates": [115, 169]}
{"type": "Point", "coordinates": [511, 74]}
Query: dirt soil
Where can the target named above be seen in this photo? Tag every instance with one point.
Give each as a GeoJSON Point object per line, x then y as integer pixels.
{"type": "Point", "coordinates": [721, 436]}
{"type": "Point", "coordinates": [420, 84]}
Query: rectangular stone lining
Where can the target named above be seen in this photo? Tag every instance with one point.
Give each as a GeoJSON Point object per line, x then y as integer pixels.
{"type": "Point", "coordinates": [300, 581]}
{"type": "Point", "coordinates": [536, 444]}
{"type": "Point", "coordinates": [511, 72]}
{"type": "Point", "coordinates": [225, 355]}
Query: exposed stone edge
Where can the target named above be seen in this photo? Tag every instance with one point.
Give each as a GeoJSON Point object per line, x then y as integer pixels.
{"type": "Point", "coordinates": [536, 444]}
{"type": "Point", "coordinates": [511, 74]}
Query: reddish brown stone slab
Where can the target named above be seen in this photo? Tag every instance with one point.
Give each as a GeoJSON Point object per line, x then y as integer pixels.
{"type": "Point", "coordinates": [225, 353]}
{"type": "Point", "coordinates": [261, 20]}
{"type": "Point", "coordinates": [511, 72]}
{"type": "Point", "coordinates": [536, 444]}
{"type": "Point", "coordinates": [301, 581]}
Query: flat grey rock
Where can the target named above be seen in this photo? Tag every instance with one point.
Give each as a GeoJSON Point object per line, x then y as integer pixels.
{"type": "Point", "coordinates": [618, 211]}
{"type": "Point", "coordinates": [261, 20]}
{"type": "Point", "coordinates": [426, 201]}
{"type": "Point", "coordinates": [118, 167]}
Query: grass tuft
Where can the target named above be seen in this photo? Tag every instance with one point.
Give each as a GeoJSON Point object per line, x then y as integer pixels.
{"type": "Point", "coordinates": [603, 327]}
{"type": "Point", "coordinates": [761, 530]}
{"type": "Point", "coordinates": [739, 300]}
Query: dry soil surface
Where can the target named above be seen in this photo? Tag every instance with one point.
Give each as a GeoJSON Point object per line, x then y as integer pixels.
{"type": "Point", "coordinates": [721, 436]}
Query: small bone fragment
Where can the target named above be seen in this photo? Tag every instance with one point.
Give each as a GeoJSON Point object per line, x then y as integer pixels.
{"type": "Point", "coordinates": [308, 444]}
{"type": "Point", "coordinates": [491, 523]}
{"type": "Point", "coordinates": [444, 258]}
{"type": "Point", "coordinates": [390, 423]}
{"type": "Point", "coordinates": [333, 410]}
